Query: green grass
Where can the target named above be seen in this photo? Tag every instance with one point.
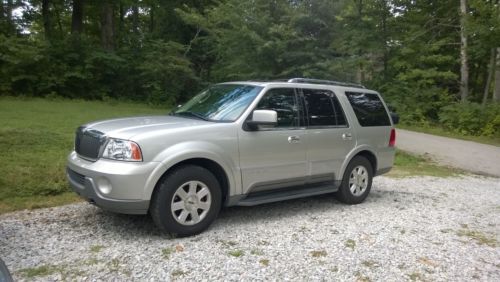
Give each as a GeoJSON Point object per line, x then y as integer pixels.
{"type": "Point", "coordinates": [479, 237]}
{"type": "Point", "coordinates": [166, 252]}
{"type": "Point", "coordinates": [437, 130]}
{"type": "Point", "coordinates": [40, 271]}
{"type": "Point", "coordinates": [236, 253]}
{"type": "Point", "coordinates": [35, 137]}
{"type": "Point", "coordinates": [350, 243]}
{"type": "Point", "coordinates": [96, 249]}
{"type": "Point", "coordinates": [318, 254]}
{"type": "Point", "coordinates": [407, 164]}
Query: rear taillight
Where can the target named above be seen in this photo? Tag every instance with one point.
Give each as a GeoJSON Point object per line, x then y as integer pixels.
{"type": "Point", "coordinates": [392, 139]}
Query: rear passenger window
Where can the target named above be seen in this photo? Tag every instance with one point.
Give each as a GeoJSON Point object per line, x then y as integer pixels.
{"type": "Point", "coordinates": [369, 109]}
{"type": "Point", "coordinates": [323, 108]}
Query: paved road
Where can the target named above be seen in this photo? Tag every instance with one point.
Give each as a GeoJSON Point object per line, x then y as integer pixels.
{"type": "Point", "coordinates": [467, 155]}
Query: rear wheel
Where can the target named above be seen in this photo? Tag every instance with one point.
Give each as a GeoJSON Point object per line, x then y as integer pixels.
{"type": "Point", "coordinates": [186, 201]}
{"type": "Point", "coordinates": [357, 181]}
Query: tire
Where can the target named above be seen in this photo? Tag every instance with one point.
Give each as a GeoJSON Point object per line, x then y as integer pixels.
{"type": "Point", "coordinates": [192, 211]}
{"type": "Point", "coordinates": [352, 191]}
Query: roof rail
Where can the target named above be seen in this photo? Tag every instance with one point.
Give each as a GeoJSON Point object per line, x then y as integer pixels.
{"type": "Point", "coordinates": [322, 81]}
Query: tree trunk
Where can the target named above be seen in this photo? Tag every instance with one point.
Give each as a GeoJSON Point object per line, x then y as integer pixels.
{"type": "Point", "coordinates": [2, 11]}
{"type": "Point", "coordinates": [360, 74]}
{"type": "Point", "coordinates": [152, 19]}
{"type": "Point", "coordinates": [135, 17]}
{"type": "Point", "coordinates": [8, 11]}
{"type": "Point", "coordinates": [121, 19]}
{"type": "Point", "coordinates": [491, 73]}
{"type": "Point", "coordinates": [107, 26]}
{"type": "Point", "coordinates": [58, 18]}
{"type": "Point", "coordinates": [8, 17]}
{"type": "Point", "coordinates": [464, 68]}
{"type": "Point", "coordinates": [47, 26]}
{"type": "Point", "coordinates": [77, 17]}
{"type": "Point", "coordinates": [496, 94]}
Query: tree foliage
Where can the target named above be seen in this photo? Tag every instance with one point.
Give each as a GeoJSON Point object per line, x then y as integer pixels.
{"type": "Point", "coordinates": [164, 51]}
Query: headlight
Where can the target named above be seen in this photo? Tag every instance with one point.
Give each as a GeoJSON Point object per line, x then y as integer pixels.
{"type": "Point", "coordinates": [122, 150]}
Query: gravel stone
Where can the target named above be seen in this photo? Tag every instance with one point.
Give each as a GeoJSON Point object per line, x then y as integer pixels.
{"type": "Point", "coordinates": [421, 228]}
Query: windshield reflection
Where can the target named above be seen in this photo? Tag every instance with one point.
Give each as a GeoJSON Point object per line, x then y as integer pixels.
{"type": "Point", "coordinates": [220, 102]}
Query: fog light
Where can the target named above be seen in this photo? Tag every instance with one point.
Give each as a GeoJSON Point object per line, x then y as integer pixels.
{"type": "Point", "coordinates": [104, 186]}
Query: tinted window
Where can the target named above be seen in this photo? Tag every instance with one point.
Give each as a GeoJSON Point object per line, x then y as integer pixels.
{"type": "Point", "coordinates": [323, 108]}
{"type": "Point", "coordinates": [369, 109]}
{"type": "Point", "coordinates": [284, 102]}
{"type": "Point", "coordinates": [339, 113]}
{"type": "Point", "coordinates": [319, 107]}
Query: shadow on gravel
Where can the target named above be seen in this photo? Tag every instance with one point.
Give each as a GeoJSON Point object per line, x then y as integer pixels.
{"type": "Point", "coordinates": [134, 226]}
{"type": "Point", "coordinates": [143, 226]}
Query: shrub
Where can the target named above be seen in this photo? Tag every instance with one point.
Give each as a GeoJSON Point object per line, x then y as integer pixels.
{"type": "Point", "coordinates": [471, 119]}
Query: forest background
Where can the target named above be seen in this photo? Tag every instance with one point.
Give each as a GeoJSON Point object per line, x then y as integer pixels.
{"type": "Point", "coordinates": [437, 63]}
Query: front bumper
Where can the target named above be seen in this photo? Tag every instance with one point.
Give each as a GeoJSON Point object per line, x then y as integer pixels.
{"type": "Point", "coordinates": [111, 185]}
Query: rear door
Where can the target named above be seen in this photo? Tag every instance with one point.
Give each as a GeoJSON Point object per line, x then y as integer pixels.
{"type": "Point", "coordinates": [274, 157]}
{"type": "Point", "coordinates": [374, 125]}
{"type": "Point", "coordinates": [329, 137]}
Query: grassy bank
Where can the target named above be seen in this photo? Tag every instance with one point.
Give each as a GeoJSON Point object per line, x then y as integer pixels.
{"type": "Point", "coordinates": [36, 135]}
{"type": "Point", "coordinates": [407, 164]}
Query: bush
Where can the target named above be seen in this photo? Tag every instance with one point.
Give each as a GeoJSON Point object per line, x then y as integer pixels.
{"type": "Point", "coordinates": [417, 106]}
{"type": "Point", "coordinates": [471, 119]}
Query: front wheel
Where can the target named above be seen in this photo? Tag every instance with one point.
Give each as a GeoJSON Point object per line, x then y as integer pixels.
{"type": "Point", "coordinates": [357, 181]}
{"type": "Point", "coordinates": [186, 201]}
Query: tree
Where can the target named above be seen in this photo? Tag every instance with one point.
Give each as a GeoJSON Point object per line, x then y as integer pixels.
{"type": "Point", "coordinates": [77, 17]}
{"type": "Point", "coordinates": [47, 24]}
{"type": "Point", "coordinates": [496, 94]}
{"type": "Point", "coordinates": [484, 30]}
{"type": "Point", "coordinates": [107, 25]}
{"type": "Point", "coordinates": [464, 69]}
{"type": "Point", "coordinates": [491, 74]}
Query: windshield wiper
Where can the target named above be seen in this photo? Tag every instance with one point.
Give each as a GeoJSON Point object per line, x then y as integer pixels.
{"type": "Point", "coordinates": [192, 114]}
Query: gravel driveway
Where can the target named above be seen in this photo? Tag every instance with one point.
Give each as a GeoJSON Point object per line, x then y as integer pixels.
{"type": "Point", "coordinates": [408, 229]}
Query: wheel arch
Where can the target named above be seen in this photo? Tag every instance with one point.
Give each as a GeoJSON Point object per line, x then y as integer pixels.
{"type": "Point", "coordinates": [370, 156]}
{"type": "Point", "coordinates": [366, 152]}
{"type": "Point", "coordinates": [213, 166]}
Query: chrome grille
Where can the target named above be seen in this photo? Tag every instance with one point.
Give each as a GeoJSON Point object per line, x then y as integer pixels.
{"type": "Point", "coordinates": [88, 143]}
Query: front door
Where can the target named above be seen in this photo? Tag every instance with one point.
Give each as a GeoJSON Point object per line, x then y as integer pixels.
{"type": "Point", "coordinates": [274, 157]}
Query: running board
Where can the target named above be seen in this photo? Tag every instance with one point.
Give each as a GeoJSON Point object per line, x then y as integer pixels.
{"type": "Point", "coordinates": [283, 194]}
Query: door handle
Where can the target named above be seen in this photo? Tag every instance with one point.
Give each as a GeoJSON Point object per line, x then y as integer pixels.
{"type": "Point", "coordinates": [293, 139]}
{"type": "Point", "coordinates": [347, 136]}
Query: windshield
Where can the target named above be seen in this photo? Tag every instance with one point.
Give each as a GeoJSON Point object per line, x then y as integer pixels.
{"type": "Point", "coordinates": [220, 102]}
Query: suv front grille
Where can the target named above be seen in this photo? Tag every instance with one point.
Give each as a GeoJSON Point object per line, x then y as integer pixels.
{"type": "Point", "coordinates": [88, 143]}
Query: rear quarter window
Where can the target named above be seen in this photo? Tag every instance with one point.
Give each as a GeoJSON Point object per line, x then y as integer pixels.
{"type": "Point", "coordinates": [369, 109]}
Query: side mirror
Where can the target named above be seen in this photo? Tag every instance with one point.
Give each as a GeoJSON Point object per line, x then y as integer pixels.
{"type": "Point", "coordinates": [262, 117]}
{"type": "Point", "coordinates": [394, 117]}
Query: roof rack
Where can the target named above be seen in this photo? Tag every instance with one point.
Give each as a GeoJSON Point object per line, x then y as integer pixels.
{"type": "Point", "coordinates": [322, 81]}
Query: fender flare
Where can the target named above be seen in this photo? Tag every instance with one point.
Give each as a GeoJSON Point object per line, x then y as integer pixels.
{"type": "Point", "coordinates": [352, 154]}
{"type": "Point", "coordinates": [192, 150]}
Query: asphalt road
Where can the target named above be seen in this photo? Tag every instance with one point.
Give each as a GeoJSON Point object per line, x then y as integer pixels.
{"type": "Point", "coordinates": [467, 155]}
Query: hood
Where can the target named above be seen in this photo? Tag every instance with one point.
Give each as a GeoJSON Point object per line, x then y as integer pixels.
{"type": "Point", "coordinates": [126, 128]}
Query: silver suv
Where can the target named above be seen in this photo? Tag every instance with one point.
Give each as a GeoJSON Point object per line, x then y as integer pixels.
{"type": "Point", "coordinates": [236, 144]}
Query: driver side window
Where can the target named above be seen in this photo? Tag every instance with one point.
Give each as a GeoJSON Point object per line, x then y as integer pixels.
{"type": "Point", "coordinates": [284, 102]}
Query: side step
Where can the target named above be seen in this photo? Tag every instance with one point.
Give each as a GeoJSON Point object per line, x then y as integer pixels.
{"type": "Point", "coordinates": [283, 194]}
